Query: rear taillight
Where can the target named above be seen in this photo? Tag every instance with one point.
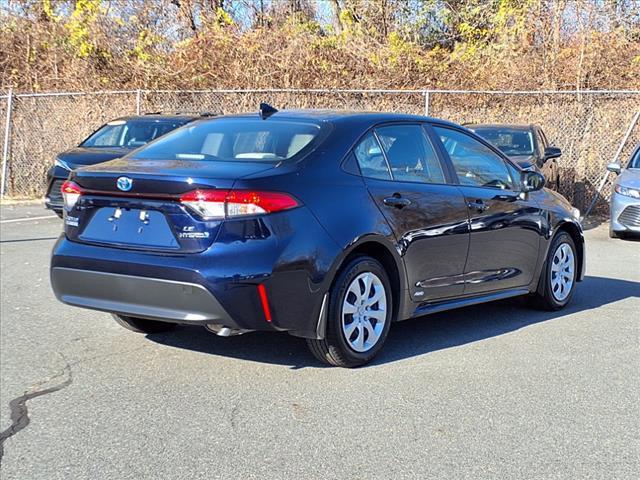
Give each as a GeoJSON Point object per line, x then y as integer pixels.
{"type": "Point", "coordinates": [71, 191]}
{"type": "Point", "coordinates": [218, 204]}
{"type": "Point", "coordinates": [207, 203]}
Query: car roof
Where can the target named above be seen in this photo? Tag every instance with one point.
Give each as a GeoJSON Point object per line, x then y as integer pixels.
{"type": "Point", "coordinates": [342, 117]}
{"type": "Point", "coordinates": [160, 117]}
{"type": "Point", "coordinates": [511, 126]}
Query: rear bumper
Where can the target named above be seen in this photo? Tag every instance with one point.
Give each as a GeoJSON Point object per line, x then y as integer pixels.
{"type": "Point", "coordinates": [287, 253]}
{"type": "Point", "coordinates": [151, 298]}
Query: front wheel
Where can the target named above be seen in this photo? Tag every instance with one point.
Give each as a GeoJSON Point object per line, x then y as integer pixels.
{"type": "Point", "coordinates": [142, 325]}
{"type": "Point", "coordinates": [359, 317]}
{"type": "Point", "coordinates": [558, 279]}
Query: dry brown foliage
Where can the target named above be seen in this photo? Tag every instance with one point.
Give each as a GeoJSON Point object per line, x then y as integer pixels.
{"type": "Point", "coordinates": [557, 44]}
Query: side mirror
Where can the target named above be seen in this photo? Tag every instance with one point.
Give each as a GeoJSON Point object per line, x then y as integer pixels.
{"type": "Point", "coordinates": [532, 181]}
{"type": "Point", "coordinates": [552, 152]}
{"type": "Point", "coordinates": [614, 168]}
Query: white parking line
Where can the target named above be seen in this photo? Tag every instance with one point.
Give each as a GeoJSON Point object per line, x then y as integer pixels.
{"type": "Point", "coordinates": [26, 219]}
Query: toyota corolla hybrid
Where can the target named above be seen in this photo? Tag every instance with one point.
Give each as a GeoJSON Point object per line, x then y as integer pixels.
{"type": "Point", "coordinates": [327, 225]}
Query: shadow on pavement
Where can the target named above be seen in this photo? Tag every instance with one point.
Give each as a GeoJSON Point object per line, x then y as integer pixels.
{"type": "Point", "coordinates": [411, 338]}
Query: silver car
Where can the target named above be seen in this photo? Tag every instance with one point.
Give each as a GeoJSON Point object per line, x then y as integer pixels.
{"type": "Point", "coordinates": [625, 197]}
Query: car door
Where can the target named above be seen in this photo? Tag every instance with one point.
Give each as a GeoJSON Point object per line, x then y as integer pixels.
{"type": "Point", "coordinates": [407, 180]}
{"type": "Point", "coordinates": [505, 224]}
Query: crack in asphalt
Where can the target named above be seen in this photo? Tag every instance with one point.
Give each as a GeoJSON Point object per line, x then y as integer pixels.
{"type": "Point", "coordinates": [18, 406]}
{"type": "Point", "coordinates": [232, 417]}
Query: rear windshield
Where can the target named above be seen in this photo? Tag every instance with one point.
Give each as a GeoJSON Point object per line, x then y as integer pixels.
{"type": "Point", "coordinates": [234, 139]}
{"type": "Point", "coordinates": [129, 133]}
{"type": "Point", "coordinates": [510, 141]}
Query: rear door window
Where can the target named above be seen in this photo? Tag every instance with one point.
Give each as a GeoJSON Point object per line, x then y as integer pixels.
{"type": "Point", "coordinates": [410, 155]}
{"type": "Point", "coordinates": [371, 159]}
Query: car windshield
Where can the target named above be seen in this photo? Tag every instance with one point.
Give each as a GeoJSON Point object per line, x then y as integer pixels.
{"type": "Point", "coordinates": [129, 133]}
{"type": "Point", "coordinates": [510, 141]}
{"type": "Point", "coordinates": [234, 139]}
{"type": "Point", "coordinates": [635, 161]}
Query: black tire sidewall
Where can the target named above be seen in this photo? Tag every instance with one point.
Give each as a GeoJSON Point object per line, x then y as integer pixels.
{"type": "Point", "coordinates": [334, 322]}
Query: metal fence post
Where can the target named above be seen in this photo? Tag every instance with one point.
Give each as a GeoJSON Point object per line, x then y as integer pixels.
{"type": "Point", "coordinates": [138, 101]}
{"type": "Point", "coordinates": [426, 94]}
{"type": "Point", "coordinates": [7, 141]}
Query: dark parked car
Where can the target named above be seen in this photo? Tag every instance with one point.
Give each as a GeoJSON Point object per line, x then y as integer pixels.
{"type": "Point", "coordinates": [111, 140]}
{"type": "Point", "coordinates": [326, 225]}
{"type": "Point", "coordinates": [527, 145]}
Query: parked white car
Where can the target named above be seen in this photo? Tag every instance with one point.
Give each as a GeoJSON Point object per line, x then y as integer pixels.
{"type": "Point", "coordinates": [625, 197]}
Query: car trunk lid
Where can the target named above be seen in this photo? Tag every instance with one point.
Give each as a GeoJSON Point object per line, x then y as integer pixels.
{"type": "Point", "coordinates": [136, 204]}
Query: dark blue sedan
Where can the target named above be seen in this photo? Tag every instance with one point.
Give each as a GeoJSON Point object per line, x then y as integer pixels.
{"type": "Point", "coordinates": [327, 225]}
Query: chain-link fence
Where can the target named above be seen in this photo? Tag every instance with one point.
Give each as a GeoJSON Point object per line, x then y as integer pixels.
{"type": "Point", "coordinates": [588, 126]}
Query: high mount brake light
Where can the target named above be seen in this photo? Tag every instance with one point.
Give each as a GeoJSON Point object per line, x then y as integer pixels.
{"type": "Point", "coordinates": [71, 191]}
{"type": "Point", "coordinates": [219, 204]}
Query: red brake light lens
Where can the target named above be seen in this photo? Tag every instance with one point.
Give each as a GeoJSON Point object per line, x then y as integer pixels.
{"type": "Point", "coordinates": [71, 191]}
{"type": "Point", "coordinates": [244, 202]}
{"type": "Point", "coordinates": [218, 204]}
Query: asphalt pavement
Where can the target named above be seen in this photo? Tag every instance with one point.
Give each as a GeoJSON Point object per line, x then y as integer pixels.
{"type": "Point", "coordinates": [492, 391]}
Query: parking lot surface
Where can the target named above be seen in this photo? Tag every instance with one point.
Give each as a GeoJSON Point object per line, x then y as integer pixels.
{"type": "Point", "coordinates": [493, 391]}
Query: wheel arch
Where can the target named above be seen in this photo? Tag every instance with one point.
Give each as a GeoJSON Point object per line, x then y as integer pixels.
{"type": "Point", "coordinates": [383, 251]}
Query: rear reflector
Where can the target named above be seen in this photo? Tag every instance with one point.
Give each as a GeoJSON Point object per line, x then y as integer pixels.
{"type": "Point", "coordinates": [218, 204]}
{"type": "Point", "coordinates": [265, 302]}
{"type": "Point", "coordinates": [71, 191]}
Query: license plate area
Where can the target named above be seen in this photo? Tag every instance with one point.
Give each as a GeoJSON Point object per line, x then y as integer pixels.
{"type": "Point", "coordinates": [130, 227]}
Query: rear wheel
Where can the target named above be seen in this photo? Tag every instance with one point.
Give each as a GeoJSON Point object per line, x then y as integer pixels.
{"type": "Point", "coordinates": [142, 325]}
{"type": "Point", "coordinates": [558, 279]}
{"type": "Point", "coordinates": [359, 317]}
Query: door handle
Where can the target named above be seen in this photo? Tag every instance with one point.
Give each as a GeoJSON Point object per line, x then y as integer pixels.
{"type": "Point", "coordinates": [396, 201]}
{"type": "Point", "coordinates": [478, 206]}
{"type": "Point", "coordinates": [506, 198]}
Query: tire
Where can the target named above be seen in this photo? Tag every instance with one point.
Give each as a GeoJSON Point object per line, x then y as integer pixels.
{"type": "Point", "coordinates": [142, 325]}
{"type": "Point", "coordinates": [558, 279]}
{"type": "Point", "coordinates": [348, 338]}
